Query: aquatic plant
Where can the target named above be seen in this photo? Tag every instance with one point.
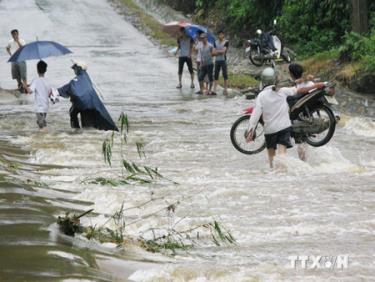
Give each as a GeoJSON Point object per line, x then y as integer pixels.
{"type": "Point", "coordinates": [130, 171]}
{"type": "Point", "coordinates": [167, 240]}
{"type": "Point", "coordinates": [69, 225]}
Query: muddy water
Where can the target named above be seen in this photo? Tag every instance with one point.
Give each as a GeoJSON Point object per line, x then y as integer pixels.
{"type": "Point", "coordinates": [324, 207]}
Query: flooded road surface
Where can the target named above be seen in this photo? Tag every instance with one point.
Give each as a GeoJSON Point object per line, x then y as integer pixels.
{"type": "Point", "coordinates": [324, 207]}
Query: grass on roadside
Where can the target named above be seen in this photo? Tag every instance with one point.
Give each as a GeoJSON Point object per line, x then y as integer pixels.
{"type": "Point", "coordinates": [151, 26]}
{"type": "Point", "coordinates": [239, 81]}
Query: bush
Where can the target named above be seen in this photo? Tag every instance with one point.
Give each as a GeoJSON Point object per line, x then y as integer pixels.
{"type": "Point", "coordinates": [314, 25]}
{"type": "Point", "coordinates": [358, 48]}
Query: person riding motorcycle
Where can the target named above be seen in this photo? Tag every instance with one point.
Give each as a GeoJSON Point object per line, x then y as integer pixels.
{"type": "Point", "coordinates": [271, 104]}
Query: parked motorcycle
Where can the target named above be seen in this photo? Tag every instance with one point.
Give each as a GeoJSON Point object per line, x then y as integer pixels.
{"type": "Point", "coordinates": [267, 47]}
{"type": "Point", "coordinates": [313, 121]}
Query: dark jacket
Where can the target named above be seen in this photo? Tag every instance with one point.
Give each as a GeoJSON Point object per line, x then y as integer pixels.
{"type": "Point", "coordinates": [84, 97]}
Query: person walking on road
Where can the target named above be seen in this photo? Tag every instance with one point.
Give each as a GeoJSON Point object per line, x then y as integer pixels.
{"type": "Point", "coordinates": [18, 69]}
{"type": "Point", "coordinates": [42, 91]}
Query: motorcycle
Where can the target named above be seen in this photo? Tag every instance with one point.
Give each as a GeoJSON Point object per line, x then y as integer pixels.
{"type": "Point", "coordinates": [267, 47]}
{"type": "Point", "coordinates": [313, 121]}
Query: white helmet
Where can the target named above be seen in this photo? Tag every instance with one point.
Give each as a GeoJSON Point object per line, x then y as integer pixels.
{"type": "Point", "coordinates": [268, 77]}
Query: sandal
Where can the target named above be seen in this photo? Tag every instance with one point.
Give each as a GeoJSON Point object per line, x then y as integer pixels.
{"type": "Point", "coordinates": [179, 86]}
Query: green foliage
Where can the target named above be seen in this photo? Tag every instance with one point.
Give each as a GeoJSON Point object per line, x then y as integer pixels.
{"type": "Point", "coordinates": [150, 25]}
{"type": "Point", "coordinates": [309, 26]}
{"type": "Point", "coordinates": [164, 245]}
{"type": "Point", "coordinates": [351, 48]}
{"type": "Point", "coordinates": [358, 48]}
{"type": "Point", "coordinates": [240, 16]}
{"type": "Point", "coordinates": [105, 234]}
{"type": "Point", "coordinates": [173, 240]}
{"type": "Point", "coordinates": [131, 172]}
{"type": "Point", "coordinates": [220, 234]}
{"type": "Point", "coordinates": [107, 150]}
{"type": "Point", "coordinates": [314, 25]}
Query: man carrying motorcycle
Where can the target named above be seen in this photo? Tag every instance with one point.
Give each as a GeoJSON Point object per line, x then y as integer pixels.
{"type": "Point", "coordinates": [272, 105]}
{"type": "Point", "coordinates": [296, 72]}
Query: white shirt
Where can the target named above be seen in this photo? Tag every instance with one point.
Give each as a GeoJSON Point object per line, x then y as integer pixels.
{"type": "Point", "coordinates": [308, 83]}
{"type": "Point", "coordinates": [274, 107]}
{"type": "Point", "coordinates": [13, 45]}
{"type": "Point", "coordinates": [41, 89]}
{"type": "Point", "coordinates": [198, 47]}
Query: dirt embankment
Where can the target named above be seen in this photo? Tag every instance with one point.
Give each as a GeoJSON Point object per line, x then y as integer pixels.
{"type": "Point", "coordinates": [149, 17]}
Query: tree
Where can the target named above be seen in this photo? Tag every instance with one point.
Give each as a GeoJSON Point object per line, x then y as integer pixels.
{"type": "Point", "coordinates": [360, 16]}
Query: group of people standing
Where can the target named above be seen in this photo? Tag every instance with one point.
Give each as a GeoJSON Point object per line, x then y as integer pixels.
{"type": "Point", "coordinates": [211, 59]}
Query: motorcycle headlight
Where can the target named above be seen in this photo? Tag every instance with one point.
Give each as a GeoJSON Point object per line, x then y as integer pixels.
{"type": "Point", "coordinates": [329, 91]}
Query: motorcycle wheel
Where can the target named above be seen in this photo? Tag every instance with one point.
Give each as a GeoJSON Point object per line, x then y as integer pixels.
{"type": "Point", "coordinates": [322, 138]}
{"type": "Point", "coordinates": [256, 57]}
{"type": "Point", "coordinates": [238, 137]}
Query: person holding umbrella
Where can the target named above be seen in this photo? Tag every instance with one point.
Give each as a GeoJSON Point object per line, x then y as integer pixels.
{"type": "Point", "coordinates": [185, 46]}
{"type": "Point", "coordinates": [18, 69]}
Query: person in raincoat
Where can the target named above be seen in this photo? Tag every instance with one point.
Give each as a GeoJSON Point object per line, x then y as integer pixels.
{"type": "Point", "coordinates": [85, 101]}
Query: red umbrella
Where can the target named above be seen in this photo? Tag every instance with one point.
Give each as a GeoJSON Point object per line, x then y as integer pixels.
{"type": "Point", "coordinates": [173, 28]}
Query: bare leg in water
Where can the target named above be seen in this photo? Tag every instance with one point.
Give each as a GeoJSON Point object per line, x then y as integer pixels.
{"type": "Point", "coordinates": [271, 154]}
{"type": "Point", "coordinates": [281, 150]}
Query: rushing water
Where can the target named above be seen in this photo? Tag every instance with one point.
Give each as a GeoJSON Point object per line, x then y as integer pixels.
{"type": "Point", "coordinates": [323, 207]}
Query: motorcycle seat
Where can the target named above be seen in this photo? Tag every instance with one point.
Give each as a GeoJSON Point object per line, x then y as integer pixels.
{"type": "Point", "coordinates": [292, 100]}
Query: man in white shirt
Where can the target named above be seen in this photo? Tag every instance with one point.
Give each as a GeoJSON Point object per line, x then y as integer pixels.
{"type": "Point", "coordinates": [18, 69]}
{"type": "Point", "coordinates": [271, 104]}
{"type": "Point", "coordinates": [42, 90]}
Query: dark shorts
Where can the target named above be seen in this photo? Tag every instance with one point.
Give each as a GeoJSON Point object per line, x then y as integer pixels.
{"type": "Point", "coordinates": [19, 71]}
{"type": "Point", "coordinates": [41, 120]}
{"type": "Point", "coordinates": [282, 137]}
{"type": "Point", "coordinates": [182, 61]}
{"type": "Point", "coordinates": [221, 65]}
{"type": "Point", "coordinates": [206, 70]}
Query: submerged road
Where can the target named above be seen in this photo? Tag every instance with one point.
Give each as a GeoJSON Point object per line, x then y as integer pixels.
{"type": "Point", "coordinates": [324, 207]}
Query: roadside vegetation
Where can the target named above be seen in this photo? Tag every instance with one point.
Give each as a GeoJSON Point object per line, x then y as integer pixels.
{"type": "Point", "coordinates": [320, 32]}
{"type": "Point", "coordinates": [328, 36]}
{"type": "Point", "coordinates": [149, 25]}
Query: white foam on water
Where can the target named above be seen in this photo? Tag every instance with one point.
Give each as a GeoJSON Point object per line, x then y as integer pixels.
{"type": "Point", "coordinates": [196, 274]}
{"type": "Point", "coordinates": [321, 160]}
{"type": "Point", "coordinates": [360, 126]}
{"type": "Point", "coordinates": [68, 256]}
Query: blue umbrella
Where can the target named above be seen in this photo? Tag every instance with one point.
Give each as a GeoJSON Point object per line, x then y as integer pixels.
{"type": "Point", "coordinates": [38, 50]}
{"type": "Point", "coordinates": [191, 31]}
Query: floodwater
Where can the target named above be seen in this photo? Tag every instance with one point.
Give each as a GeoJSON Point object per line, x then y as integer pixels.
{"type": "Point", "coordinates": [324, 207]}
